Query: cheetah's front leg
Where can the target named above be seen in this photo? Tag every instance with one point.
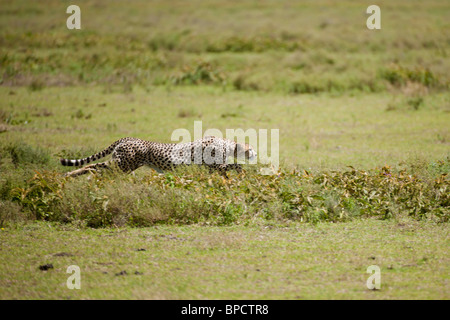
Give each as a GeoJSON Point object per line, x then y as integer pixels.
{"type": "Point", "coordinates": [227, 167]}
{"type": "Point", "coordinates": [235, 166]}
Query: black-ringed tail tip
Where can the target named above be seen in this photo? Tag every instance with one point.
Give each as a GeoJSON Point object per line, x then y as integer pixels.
{"type": "Point", "coordinates": [80, 162]}
{"type": "Point", "coordinates": [72, 163]}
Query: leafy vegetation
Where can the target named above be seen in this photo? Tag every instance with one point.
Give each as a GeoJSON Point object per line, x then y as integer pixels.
{"type": "Point", "coordinates": [195, 196]}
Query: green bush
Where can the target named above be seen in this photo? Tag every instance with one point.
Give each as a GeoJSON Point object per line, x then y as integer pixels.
{"type": "Point", "coordinates": [251, 44]}
{"type": "Point", "coordinates": [399, 76]}
{"type": "Point", "coordinates": [22, 153]}
{"type": "Point", "coordinates": [202, 73]}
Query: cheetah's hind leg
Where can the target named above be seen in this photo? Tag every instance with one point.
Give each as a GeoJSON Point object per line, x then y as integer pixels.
{"type": "Point", "coordinates": [86, 169]}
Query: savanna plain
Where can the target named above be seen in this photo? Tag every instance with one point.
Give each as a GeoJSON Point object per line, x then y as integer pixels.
{"type": "Point", "coordinates": [364, 148]}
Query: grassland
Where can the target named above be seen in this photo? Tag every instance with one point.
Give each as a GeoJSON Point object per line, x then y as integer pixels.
{"type": "Point", "coordinates": [302, 261]}
{"type": "Point", "coordinates": [364, 148]}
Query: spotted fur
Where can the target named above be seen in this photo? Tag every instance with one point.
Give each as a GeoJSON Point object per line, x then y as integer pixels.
{"type": "Point", "coordinates": [131, 153]}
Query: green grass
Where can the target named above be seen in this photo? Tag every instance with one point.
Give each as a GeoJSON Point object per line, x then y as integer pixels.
{"type": "Point", "coordinates": [300, 261]}
{"type": "Point", "coordinates": [362, 130]}
{"type": "Point", "coordinates": [297, 47]}
{"type": "Point", "coordinates": [364, 149]}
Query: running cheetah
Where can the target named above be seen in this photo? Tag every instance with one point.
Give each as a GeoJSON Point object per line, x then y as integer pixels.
{"type": "Point", "coordinates": [132, 153]}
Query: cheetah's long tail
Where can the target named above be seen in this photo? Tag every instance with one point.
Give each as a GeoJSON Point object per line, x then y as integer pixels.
{"type": "Point", "coordinates": [99, 155]}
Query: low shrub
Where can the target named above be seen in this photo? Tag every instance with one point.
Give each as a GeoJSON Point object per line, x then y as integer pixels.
{"type": "Point", "coordinates": [22, 153]}
{"type": "Point", "coordinates": [192, 195]}
{"type": "Point", "coordinates": [399, 76]}
{"type": "Point", "coordinates": [201, 73]}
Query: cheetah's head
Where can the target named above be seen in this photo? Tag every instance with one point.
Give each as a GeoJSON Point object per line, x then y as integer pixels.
{"type": "Point", "coordinates": [244, 151]}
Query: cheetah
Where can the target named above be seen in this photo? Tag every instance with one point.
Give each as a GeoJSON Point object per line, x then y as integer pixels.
{"type": "Point", "coordinates": [130, 154]}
